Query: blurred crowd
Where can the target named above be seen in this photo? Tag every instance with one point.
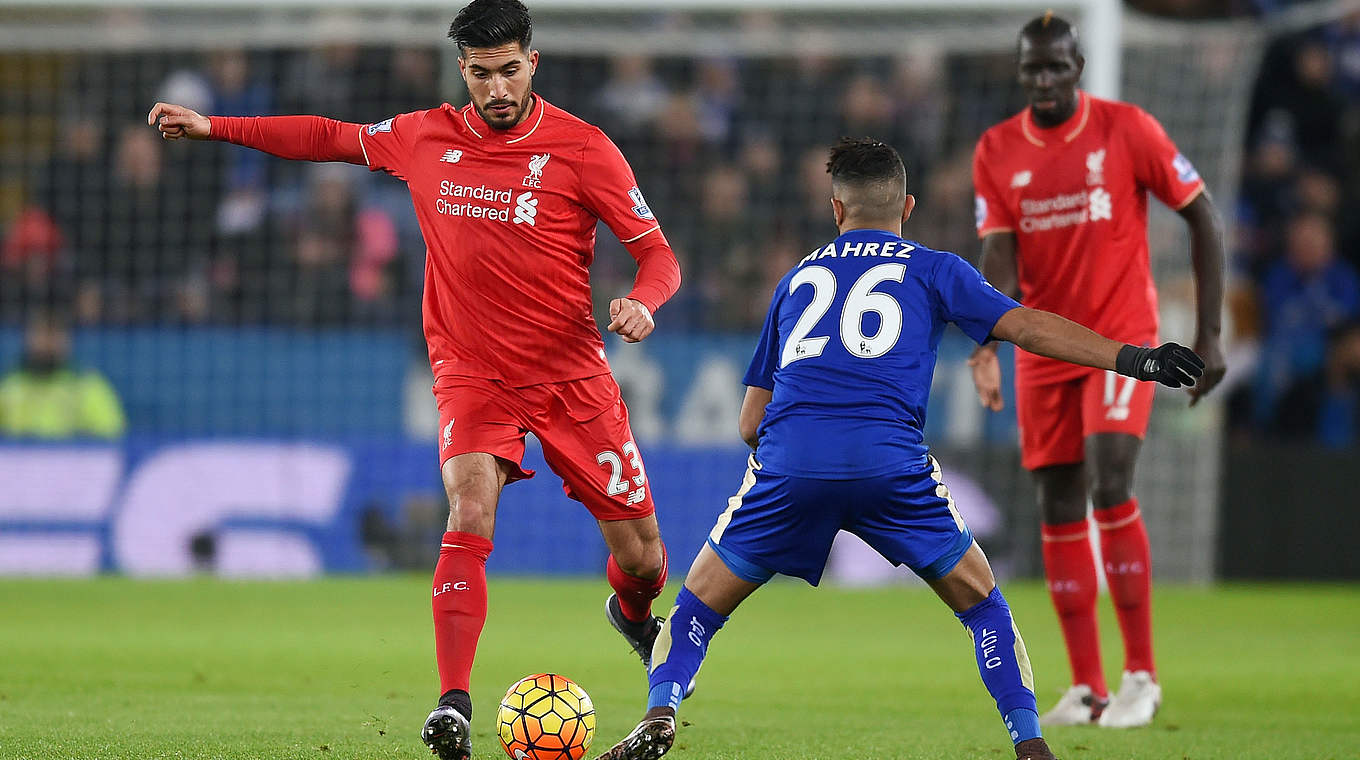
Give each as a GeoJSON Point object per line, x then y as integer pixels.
{"type": "Point", "coordinates": [103, 224]}
{"type": "Point", "coordinates": [116, 228]}
{"type": "Point", "coordinates": [1297, 249]}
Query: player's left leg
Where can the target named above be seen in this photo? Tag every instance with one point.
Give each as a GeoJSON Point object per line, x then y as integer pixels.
{"type": "Point", "coordinates": [588, 442]}
{"type": "Point", "coordinates": [1116, 414]}
{"type": "Point", "coordinates": [637, 572]}
{"type": "Point", "coordinates": [1127, 559]}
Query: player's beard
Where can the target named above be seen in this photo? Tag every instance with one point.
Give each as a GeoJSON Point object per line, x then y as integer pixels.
{"type": "Point", "coordinates": [506, 122]}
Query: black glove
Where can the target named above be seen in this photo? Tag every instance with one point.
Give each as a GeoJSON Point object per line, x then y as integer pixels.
{"type": "Point", "coordinates": [1169, 364]}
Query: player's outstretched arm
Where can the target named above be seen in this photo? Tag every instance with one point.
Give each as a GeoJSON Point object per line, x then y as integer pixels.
{"type": "Point", "coordinates": [1206, 256]}
{"type": "Point", "coordinates": [1050, 335]}
{"type": "Point", "coordinates": [306, 138]}
{"type": "Point", "coordinates": [999, 268]}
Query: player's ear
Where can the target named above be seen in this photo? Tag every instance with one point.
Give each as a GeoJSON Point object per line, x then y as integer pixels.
{"type": "Point", "coordinates": [838, 211]}
{"type": "Point", "coordinates": [462, 66]}
{"type": "Point", "coordinates": [533, 62]}
{"type": "Point", "coordinates": [908, 207]}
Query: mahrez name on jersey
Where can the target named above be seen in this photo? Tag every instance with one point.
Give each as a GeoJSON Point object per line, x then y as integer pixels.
{"type": "Point", "coordinates": [895, 249]}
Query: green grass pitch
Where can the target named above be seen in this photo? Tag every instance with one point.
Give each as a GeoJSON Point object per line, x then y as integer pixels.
{"type": "Point", "coordinates": [343, 668]}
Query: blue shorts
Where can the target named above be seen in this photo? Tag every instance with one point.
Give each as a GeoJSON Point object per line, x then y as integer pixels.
{"type": "Point", "coordinates": [785, 524]}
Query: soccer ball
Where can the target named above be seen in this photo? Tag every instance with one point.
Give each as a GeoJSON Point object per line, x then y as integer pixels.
{"type": "Point", "coordinates": [546, 717]}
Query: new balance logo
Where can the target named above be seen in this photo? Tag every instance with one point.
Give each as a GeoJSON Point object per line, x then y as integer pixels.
{"type": "Point", "coordinates": [452, 156]}
{"type": "Point", "coordinates": [526, 209]}
{"type": "Point", "coordinates": [1022, 179]}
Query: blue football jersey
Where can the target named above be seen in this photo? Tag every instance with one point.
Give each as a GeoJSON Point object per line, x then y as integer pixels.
{"type": "Point", "coordinates": [849, 348]}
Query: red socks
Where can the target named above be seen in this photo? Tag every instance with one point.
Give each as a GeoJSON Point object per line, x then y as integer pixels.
{"type": "Point", "coordinates": [459, 603]}
{"type": "Point", "coordinates": [1128, 572]}
{"type": "Point", "coordinates": [1071, 570]}
{"type": "Point", "coordinates": [635, 594]}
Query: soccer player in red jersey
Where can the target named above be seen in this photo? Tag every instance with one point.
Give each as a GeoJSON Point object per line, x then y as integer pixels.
{"type": "Point", "coordinates": [507, 191]}
{"type": "Point", "coordinates": [1062, 203]}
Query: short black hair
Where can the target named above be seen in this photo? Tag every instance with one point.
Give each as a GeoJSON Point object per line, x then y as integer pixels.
{"type": "Point", "coordinates": [491, 23]}
{"type": "Point", "coordinates": [864, 161]}
{"type": "Point", "coordinates": [1050, 27]}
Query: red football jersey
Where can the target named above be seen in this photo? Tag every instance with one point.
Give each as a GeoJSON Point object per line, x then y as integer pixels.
{"type": "Point", "coordinates": [1075, 196]}
{"type": "Point", "coordinates": [509, 223]}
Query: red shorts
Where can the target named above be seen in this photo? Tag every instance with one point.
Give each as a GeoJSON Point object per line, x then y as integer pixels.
{"type": "Point", "coordinates": [1056, 418]}
{"type": "Point", "coordinates": [582, 425]}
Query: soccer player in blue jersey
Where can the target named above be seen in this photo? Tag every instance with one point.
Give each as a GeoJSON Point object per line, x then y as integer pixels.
{"type": "Point", "coordinates": [835, 408]}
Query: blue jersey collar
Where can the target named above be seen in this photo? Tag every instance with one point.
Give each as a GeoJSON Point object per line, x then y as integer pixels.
{"type": "Point", "coordinates": [864, 235]}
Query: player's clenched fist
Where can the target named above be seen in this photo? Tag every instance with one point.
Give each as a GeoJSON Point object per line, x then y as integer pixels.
{"type": "Point", "coordinates": [1170, 364]}
{"type": "Point", "coordinates": [630, 319]}
{"type": "Point", "coordinates": [175, 122]}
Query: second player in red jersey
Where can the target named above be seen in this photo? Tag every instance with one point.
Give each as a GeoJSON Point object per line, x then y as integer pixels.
{"type": "Point", "coordinates": [1075, 196]}
{"type": "Point", "coordinates": [1062, 206]}
{"type": "Point", "coordinates": [507, 191]}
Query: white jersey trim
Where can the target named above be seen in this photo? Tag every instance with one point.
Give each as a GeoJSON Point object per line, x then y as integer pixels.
{"type": "Point", "coordinates": [469, 124]}
{"type": "Point", "coordinates": [541, 110]}
{"type": "Point", "coordinates": [367, 163]}
{"type": "Point", "coordinates": [636, 238]}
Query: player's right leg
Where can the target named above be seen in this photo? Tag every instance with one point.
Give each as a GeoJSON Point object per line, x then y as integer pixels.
{"type": "Point", "coordinates": [473, 482]}
{"type": "Point", "coordinates": [1052, 448]}
{"type": "Point", "coordinates": [480, 445]}
{"type": "Point", "coordinates": [711, 593]}
{"type": "Point", "coordinates": [970, 590]}
{"type": "Point", "coordinates": [767, 528]}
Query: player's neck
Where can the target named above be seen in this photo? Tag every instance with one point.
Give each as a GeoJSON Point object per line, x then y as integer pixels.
{"type": "Point", "coordinates": [855, 225]}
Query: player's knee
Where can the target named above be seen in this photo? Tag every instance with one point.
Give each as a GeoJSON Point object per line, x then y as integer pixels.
{"type": "Point", "coordinates": [1056, 511]}
{"type": "Point", "coordinates": [641, 559]}
{"type": "Point", "coordinates": [471, 514]}
{"type": "Point", "coordinates": [1111, 489]}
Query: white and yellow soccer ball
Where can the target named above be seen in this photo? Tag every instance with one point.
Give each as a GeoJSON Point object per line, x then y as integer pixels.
{"type": "Point", "coordinates": [546, 717]}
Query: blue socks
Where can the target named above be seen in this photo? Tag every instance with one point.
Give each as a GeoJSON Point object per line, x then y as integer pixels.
{"type": "Point", "coordinates": [680, 649]}
{"type": "Point", "coordinates": [683, 642]}
{"type": "Point", "coordinates": [1004, 664]}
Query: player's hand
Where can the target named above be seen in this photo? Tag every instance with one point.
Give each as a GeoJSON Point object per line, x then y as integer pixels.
{"type": "Point", "coordinates": [175, 122]}
{"type": "Point", "coordinates": [1215, 366]}
{"type": "Point", "coordinates": [1170, 364]}
{"type": "Point", "coordinates": [630, 319]}
{"type": "Point", "coordinates": [987, 377]}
